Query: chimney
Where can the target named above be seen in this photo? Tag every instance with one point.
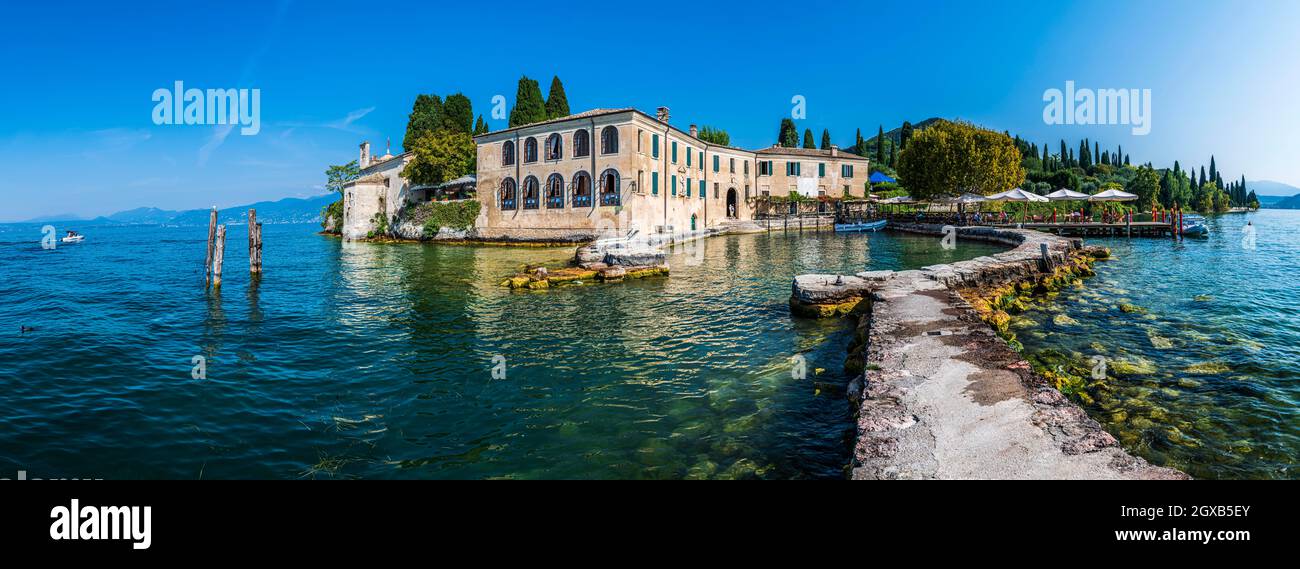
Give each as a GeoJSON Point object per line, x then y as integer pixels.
{"type": "Point", "coordinates": [662, 114]}
{"type": "Point", "coordinates": [365, 154]}
{"type": "Point", "coordinates": [835, 151]}
{"type": "Point", "coordinates": [695, 131]}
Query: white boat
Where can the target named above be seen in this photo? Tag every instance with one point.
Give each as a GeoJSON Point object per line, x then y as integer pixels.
{"type": "Point", "coordinates": [73, 237]}
{"type": "Point", "coordinates": [1194, 226]}
{"type": "Point", "coordinates": [860, 226]}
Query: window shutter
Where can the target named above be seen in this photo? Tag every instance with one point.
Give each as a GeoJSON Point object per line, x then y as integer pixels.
{"type": "Point", "coordinates": [654, 180]}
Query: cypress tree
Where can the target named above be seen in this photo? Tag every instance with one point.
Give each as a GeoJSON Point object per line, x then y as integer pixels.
{"type": "Point", "coordinates": [457, 114]}
{"type": "Point", "coordinates": [788, 136]}
{"type": "Point", "coordinates": [529, 106]}
{"type": "Point", "coordinates": [808, 141]}
{"type": "Point", "coordinates": [557, 105]}
{"type": "Point", "coordinates": [826, 139]}
{"type": "Point", "coordinates": [480, 127]}
{"type": "Point", "coordinates": [426, 114]}
{"type": "Point", "coordinates": [880, 145]}
{"type": "Point", "coordinates": [904, 135]}
{"type": "Point", "coordinates": [1214, 173]}
{"type": "Point", "coordinates": [857, 146]}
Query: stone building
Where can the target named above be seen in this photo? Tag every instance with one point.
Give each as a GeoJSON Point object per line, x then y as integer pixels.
{"type": "Point", "coordinates": [621, 171]}
{"type": "Point", "coordinates": [609, 172]}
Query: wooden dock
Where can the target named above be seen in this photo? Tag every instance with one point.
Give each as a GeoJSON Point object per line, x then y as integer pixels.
{"type": "Point", "coordinates": [1135, 229]}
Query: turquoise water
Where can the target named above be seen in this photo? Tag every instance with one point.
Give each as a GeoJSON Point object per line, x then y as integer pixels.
{"type": "Point", "coordinates": [376, 360]}
{"type": "Point", "coordinates": [1203, 372]}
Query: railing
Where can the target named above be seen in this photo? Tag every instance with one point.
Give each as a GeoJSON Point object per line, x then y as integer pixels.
{"type": "Point", "coordinates": [509, 204]}
{"type": "Point", "coordinates": [582, 201]}
{"type": "Point", "coordinates": [609, 198]}
{"type": "Point", "coordinates": [530, 203]}
{"type": "Point", "coordinates": [555, 202]}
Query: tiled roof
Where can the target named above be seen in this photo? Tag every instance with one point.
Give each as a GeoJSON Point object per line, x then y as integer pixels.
{"type": "Point", "coordinates": [582, 115]}
{"type": "Point", "coordinates": [812, 152]}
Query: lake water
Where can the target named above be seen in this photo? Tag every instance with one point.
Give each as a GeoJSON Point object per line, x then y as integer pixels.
{"type": "Point", "coordinates": [1203, 370]}
{"type": "Point", "coordinates": [376, 360]}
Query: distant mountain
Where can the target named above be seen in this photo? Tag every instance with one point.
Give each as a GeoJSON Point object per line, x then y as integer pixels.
{"type": "Point", "coordinates": [1270, 188]}
{"type": "Point", "coordinates": [287, 210]}
{"type": "Point", "coordinates": [1292, 202]}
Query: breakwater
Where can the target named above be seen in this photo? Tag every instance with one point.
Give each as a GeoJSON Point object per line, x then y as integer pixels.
{"type": "Point", "coordinates": [942, 394]}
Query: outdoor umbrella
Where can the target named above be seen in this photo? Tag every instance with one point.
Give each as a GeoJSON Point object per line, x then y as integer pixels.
{"type": "Point", "coordinates": [1063, 194]}
{"type": "Point", "coordinates": [880, 178]}
{"type": "Point", "coordinates": [1017, 195]}
{"type": "Point", "coordinates": [1113, 196]}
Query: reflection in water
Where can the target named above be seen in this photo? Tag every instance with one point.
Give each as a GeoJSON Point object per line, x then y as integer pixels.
{"type": "Point", "coordinates": [374, 360]}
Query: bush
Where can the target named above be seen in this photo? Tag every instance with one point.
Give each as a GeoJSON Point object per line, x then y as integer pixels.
{"type": "Point", "coordinates": [433, 216]}
{"type": "Point", "coordinates": [332, 211]}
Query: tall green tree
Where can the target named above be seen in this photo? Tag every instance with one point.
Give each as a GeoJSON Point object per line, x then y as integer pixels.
{"type": "Point", "coordinates": [949, 158]}
{"type": "Point", "coordinates": [714, 136]}
{"type": "Point", "coordinates": [529, 106]}
{"type": "Point", "coordinates": [480, 126]}
{"type": "Point", "coordinates": [440, 157]}
{"type": "Point", "coordinates": [1146, 184]}
{"type": "Point", "coordinates": [826, 139]}
{"type": "Point", "coordinates": [557, 105]}
{"type": "Point", "coordinates": [788, 136]}
{"type": "Point", "coordinates": [457, 114]}
{"type": "Point", "coordinates": [808, 141]}
{"type": "Point", "coordinates": [880, 145]}
{"type": "Point", "coordinates": [904, 135]}
{"type": "Point", "coordinates": [426, 115]}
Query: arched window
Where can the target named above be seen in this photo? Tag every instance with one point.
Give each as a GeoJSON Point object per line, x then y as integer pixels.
{"type": "Point", "coordinates": [609, 140]}
{"type": "Point", "coordinates": [609, 187]}
{"type": "Point", "coordinates": [508, 194]}
{"type": "Point", "coordinates": [530, 150]}
{"type": "Point", "coordinates": [508, 153]}
{"type": "Point", "coordinates": [530, 193]}
{"type": "Point", "coordinates": [581, 189]}
{"type": "Point", "coordinates": [581, 143]}
{"type": "Point", "coordinates": [555, 191]}
{"type": "Point", "coordinates": [554, 147]}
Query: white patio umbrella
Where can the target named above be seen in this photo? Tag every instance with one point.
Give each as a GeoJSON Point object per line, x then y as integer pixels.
{"type": "Point", "coordinates": [1018, 195]}
{"type": "Point", "coordinates": [1063, 195]}
{"type": "Point", "coordinates": [1112, 196]}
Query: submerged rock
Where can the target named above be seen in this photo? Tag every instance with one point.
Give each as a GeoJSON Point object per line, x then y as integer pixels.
{"type": "Point", "coordinates": [1063, 320]}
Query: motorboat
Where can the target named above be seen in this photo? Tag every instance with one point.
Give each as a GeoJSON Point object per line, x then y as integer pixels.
{"type": "Point", "coordinates": [73, 237]}
{"type": "Point", "coordinates": [860, 226]}
{"type": "Point", "coordinates": [1194, 226]}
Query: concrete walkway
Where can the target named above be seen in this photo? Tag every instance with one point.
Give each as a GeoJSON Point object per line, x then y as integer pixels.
{"type": "Point", "coordinates": [944, 397]}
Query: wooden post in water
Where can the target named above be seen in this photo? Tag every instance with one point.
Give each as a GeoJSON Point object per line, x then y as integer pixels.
{"type": "Point", "coordinates": [218, 257]}
{"type": "Point", "coordinates": [207, 260]}
{"type": "Point", "coordinates": [254, 243]}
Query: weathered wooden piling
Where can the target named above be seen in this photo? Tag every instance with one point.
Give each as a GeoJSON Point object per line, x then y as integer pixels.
{"type": "Point", "coordinates": [207, 260]}
{"type": "Point", "coordinates": [254, 243]}
{"type": "Point", "coordinates": [218, 256]}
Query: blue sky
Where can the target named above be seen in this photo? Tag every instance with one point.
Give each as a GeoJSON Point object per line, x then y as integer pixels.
{"type": "Point", "coordinates": [76, 134]}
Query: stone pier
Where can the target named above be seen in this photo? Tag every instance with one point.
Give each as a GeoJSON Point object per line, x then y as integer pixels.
{"type": "Point", "coordinates": [943, 396]}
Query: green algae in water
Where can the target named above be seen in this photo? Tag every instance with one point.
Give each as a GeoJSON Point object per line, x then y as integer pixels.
{"type": "Point", "coordinates": [1208, 385]}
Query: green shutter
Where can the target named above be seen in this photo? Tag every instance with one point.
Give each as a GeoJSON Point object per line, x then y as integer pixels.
{"type": "Point", "coordinates": [688, 156]}
{"type": "Point", "coordinates": [715, 164]}
{"type": "Point", "coordinates": [821, 169]}
{"type": "Point", "coordinates": [688, 180]}
{"type": "Point", "coordinates": [704, 192]}
{"type": "Point", "coordinates": [654, 176]}
{"type": "Point", "coordinates": [654, 146]}
{"type": "Point", "coordinates": [674, 158]}
{"type": "Point", "coordinates": [674, 189]}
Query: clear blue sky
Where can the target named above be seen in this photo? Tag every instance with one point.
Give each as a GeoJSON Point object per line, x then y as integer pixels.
{"type": "Point", "coordinates": [76, 135]}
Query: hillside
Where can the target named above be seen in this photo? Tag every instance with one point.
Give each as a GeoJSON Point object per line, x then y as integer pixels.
{"type": "Point", "coordinates": [287, 210]}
